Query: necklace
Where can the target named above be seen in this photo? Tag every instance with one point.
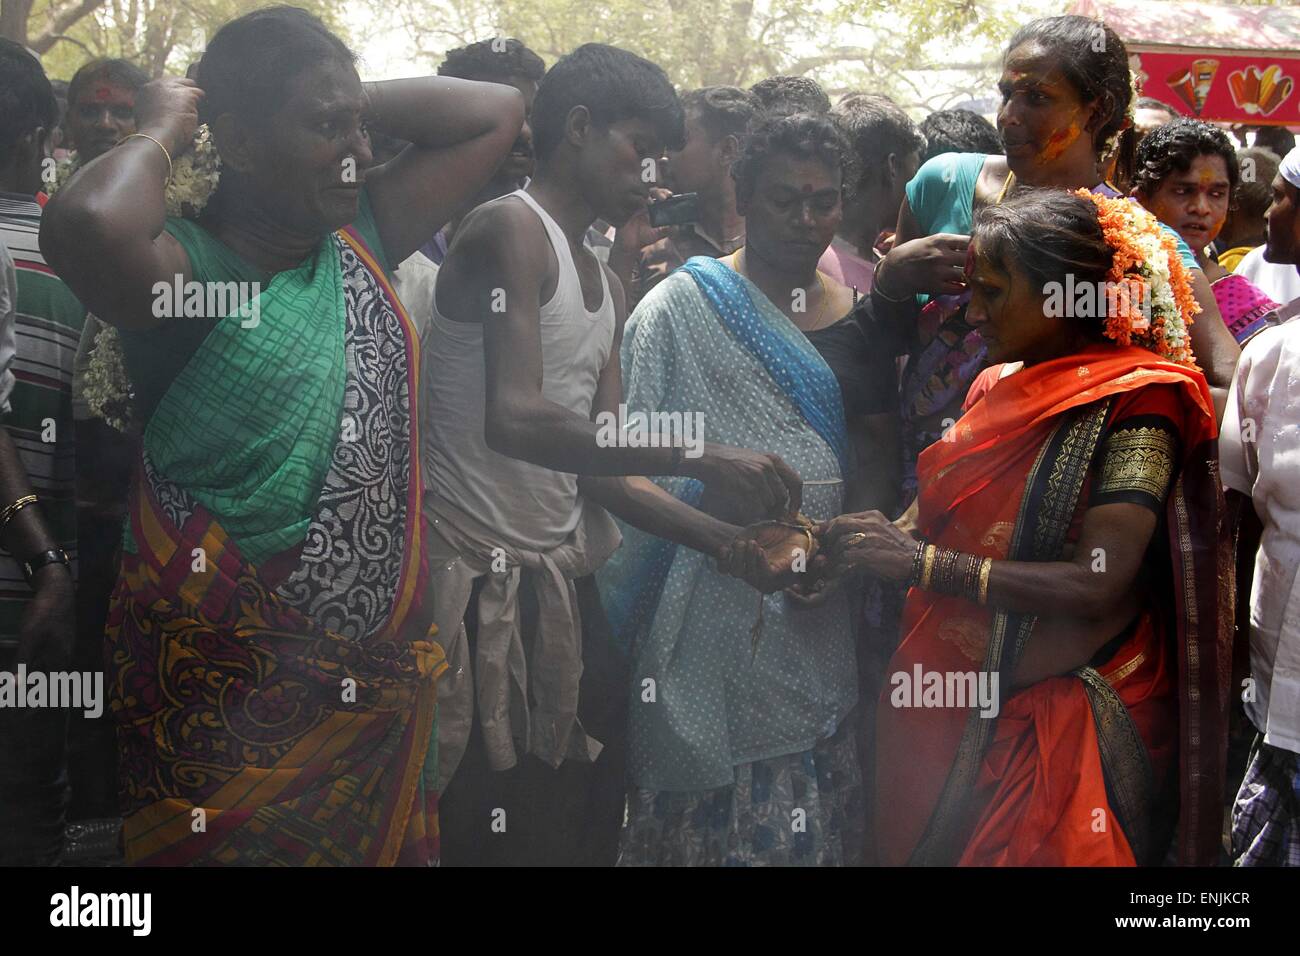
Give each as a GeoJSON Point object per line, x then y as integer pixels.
{"type": "Point", "coordinates": [1010, 184]}
{"type": "Point", "coordinates": [1007, 185]}
{"type": "Point", "coordinates": [739, 259]}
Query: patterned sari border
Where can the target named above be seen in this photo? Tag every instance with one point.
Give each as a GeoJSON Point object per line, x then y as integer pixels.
{"type": "Point", "coordinates": [1051, 495]}
{"type": "Point", "coordinates": [415, 569]}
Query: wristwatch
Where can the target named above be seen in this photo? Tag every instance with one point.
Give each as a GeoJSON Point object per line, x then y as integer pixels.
{"type": "Point", "coordinates": [54, 555]}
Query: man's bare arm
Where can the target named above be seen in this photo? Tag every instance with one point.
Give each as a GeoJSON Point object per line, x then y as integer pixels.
{"type": "Point", "coordinates": [639, 501]}
{"type": "Point", "coordinates": [496, 274]}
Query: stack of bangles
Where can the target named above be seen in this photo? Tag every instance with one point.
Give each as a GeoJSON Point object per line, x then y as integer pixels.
{"type": "Point", "coordinates": [950, 572]}
{"type": "Point", "coordinates": [12, 510]}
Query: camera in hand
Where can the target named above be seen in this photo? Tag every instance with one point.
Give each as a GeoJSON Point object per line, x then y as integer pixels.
{"type": "Point", "coordinates": [675, 210]}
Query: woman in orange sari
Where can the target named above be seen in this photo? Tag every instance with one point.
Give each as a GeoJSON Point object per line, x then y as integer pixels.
{"type": "Point", "coordinates": [1062, 685]}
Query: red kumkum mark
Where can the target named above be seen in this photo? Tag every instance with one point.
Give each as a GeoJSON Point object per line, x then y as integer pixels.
{"type": "Point", "coordinates": [1058, 142]}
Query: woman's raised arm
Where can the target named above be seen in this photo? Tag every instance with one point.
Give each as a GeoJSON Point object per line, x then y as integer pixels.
{"type": "Point", "coordinates": [103, 231]}
{"type": "Point", "coordinates": [459, 130]}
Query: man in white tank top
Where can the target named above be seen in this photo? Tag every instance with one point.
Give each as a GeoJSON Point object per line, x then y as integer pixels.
{"type": "Point", "coordinates": [520, 357]}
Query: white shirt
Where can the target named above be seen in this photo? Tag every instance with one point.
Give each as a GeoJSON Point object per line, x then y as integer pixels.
{"type": "Point", "coordinates": [413, 282]}
{"type": "Point", "coordinates": [529, 506]}
{"type": "Point", "coordinates": [1278, 280]}
{"type": "Point", "coordinates": [1259, 452]}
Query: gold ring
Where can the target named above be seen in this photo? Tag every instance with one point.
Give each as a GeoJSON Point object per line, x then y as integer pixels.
{"type": "Point", "coordinates": [856, 538]}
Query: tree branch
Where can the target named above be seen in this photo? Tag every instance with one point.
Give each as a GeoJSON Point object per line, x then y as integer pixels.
{"type": "Point", "coordinates": [64, 17]}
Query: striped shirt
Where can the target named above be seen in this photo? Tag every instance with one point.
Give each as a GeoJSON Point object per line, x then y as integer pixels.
{"type": "Point", "coordinates": [47, 328]}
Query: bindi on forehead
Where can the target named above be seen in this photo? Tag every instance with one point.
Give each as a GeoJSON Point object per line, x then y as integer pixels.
{"type": "Point", "coordinates": [107, 92]}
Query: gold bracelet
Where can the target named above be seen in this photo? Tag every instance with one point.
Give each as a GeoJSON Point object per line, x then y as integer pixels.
{"type": "Point", "coordinates": [13, 509]}
{"type": "Point", "coordinates": [160, 146]}
{"type": "Point", "coordinates": [928, 568]}
{"type": "Point", "coordinates": [985, 568]}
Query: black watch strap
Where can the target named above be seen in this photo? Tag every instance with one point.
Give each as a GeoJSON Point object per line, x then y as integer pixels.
{"type": "Point", "coordinates": [53, 556]}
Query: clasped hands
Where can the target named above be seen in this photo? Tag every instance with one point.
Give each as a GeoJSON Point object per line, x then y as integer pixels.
{"type": "Point", "coordinates": [808, 560]}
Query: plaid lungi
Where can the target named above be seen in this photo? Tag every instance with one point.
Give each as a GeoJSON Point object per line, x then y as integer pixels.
{"type": "Point", "coordinates": [1266, 813]}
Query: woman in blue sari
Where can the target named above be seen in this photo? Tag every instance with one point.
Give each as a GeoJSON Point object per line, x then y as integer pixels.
{"type": "Point", "coordinates": [741, 745]}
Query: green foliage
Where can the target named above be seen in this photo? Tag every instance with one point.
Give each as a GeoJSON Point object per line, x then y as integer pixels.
{"type": "Point", "coordinates": [854, 44]}
{"type": "Point", "coordinates": [883, 45]}
{"type": "Point", "coordinates": [159, 35]}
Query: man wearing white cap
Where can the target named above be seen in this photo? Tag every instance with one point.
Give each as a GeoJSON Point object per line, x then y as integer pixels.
{"type": "Point", "coordinates": [1259, 449]}
{"type": "Point", "coordinates": [1272, 267]}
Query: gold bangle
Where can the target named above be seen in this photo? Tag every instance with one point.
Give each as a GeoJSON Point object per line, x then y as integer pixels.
{"type": "Point", "coordinates": [13, 509]}
{"type": "Point", "coordinates": [160, 146]}
{"type": "Point", "coordinates": [926, 569]}
{"type": "Point", "coordinates": [879, 288]}
{"type": "Point", "coordinates": [985, 568]}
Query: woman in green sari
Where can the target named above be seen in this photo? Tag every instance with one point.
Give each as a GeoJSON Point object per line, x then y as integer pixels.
{"type": "Point", "coordinates": [269, 663]}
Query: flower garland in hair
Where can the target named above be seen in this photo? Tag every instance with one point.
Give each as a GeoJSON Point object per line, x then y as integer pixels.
{"type": "Point", "coordinates": [106, 386]}
{"type": "Point", "coordinates": [1130, 115]}
{"type": "Point", "coordinates": [1153, 303]}
{"type": "Point", "coordinates": [195, 175]}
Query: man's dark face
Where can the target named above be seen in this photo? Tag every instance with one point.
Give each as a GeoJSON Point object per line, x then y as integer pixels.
{"type": "Point", "coordinates": [102, 114]}
{"type": "Point", "coordinates": [697, 166]}
{"type": "Point", "coordinates": [1194, 203]}
{"type": "Point", "coordinates": [518, 164]}
{"type": "Point", "coordinates": [620, 163]}
{"type": "Point", "coordinates": [1282, 221]}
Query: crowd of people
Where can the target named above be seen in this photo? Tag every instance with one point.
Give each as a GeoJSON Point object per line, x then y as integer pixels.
{"type": "Point", "coordinates": [546, 466]}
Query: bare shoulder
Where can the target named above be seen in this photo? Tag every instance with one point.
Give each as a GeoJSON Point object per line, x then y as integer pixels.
{"type": "Point", "coordinates": [503, 224]}
{"type": "Point", "coordinates": [992, 177]}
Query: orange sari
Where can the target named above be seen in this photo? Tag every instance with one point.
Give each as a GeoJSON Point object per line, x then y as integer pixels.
{"type": "Point", "coordinates": [1067, 773]}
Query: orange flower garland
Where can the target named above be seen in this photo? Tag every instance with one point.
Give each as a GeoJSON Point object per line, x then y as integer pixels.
{"type": "Point", "coordinates": [1152, 289]}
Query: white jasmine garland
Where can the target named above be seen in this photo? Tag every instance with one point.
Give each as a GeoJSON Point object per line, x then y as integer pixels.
{"type": "Point", "coordinates": [106, 387]}
{"type": "Point", "coordinates": [195, 175]}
